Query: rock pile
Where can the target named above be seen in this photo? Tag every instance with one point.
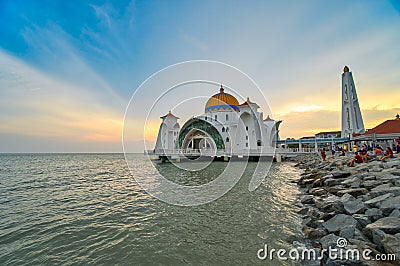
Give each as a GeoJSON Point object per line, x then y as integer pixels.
{"type": "Point", "coordinates": [360, 204]}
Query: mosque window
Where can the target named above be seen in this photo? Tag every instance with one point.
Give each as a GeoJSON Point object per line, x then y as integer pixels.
{"type": "Point", "coordinates": [223, 129]}
{"type": "Point", "coordinates": [227, 139]}
{"type": "Point", "coordinates": [216, 117]}
{"type": "Point", "coordinates": [227, 117]}
{"type": "Point", "coordinates": [247, 137]}
{"type": "Point", "coordinates": [205, 118]}
{"type": "Point", "coordinates": [247, 128]}
{"type": "Point", "coordinates": [353, 95]}
{"type": "Point", "coordinates": [258, 142]}
{"type": "Point", "coordinates": [227, 129]}
{"type": "Point", "coordinates": [346, 96]}
{"type": "Point", "coordinates": [247, 145]}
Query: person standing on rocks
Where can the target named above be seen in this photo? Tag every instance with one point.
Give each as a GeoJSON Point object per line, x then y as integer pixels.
{"type": "Point", "coordinates": [398, 145]}
{"type": "Point", "coordinates": [323, 154]}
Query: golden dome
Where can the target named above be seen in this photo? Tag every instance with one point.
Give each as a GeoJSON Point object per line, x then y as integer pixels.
{"type": "Point", "coordinates": [346, 69]}
{"type": "Point", "coordinates": [222, 102]}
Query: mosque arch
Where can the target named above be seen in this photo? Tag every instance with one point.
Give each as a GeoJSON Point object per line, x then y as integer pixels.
{"type": "Point", "coordinates": [197, 125]}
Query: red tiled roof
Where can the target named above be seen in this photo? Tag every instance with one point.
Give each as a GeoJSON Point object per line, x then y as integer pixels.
{"type": "Point", "coordinates": [268, 119]}
{"type": "Point", "coordinates": [247, 102]}
{"type": "Point", "coordinates": [387, 127]}
{"type": "Point", "coordinates": [169, 114]}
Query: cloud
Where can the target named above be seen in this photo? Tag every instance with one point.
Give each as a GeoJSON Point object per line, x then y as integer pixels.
{"type": "Point", "coordinates": [305, 123]}
{"type": "Point", "coordinates": [306, 108]}
{"type": "Point", "coordinates": [34, 104]}
{"type": "Point", "coordinates": [104, 14]}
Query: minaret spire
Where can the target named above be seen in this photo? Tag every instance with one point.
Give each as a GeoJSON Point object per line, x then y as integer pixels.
{"type": "Point", "coordinates": [352, 121]}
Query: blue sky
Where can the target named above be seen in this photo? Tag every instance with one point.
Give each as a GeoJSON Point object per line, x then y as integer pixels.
{"type": "Point", "coordinates": [68, 68]}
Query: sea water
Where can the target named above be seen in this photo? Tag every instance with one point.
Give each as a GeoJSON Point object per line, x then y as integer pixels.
{"type": "Point", "coordinates": [76, 209]}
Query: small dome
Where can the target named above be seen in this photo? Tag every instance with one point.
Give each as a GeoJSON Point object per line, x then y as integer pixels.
{"type": "Point", "coordinates": [222, 102]}
{"type": "Point", "coordinates": [346, 69]}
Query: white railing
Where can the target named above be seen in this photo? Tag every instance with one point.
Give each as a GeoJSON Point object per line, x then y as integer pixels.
{"type": "Point", "coordinates": [295, 150]}
{"type": "Point", "coordinates": [243, 152]}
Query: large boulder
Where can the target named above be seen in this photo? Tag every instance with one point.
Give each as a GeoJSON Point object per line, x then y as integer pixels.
{"type": "Point", "coordinates": [374, 214]}
{"type": "Point", "coordinates": [354, 206]}
{"type": "Point", "coordinates": [347, 197]}
{"type": "Point", "coordinates": [338, 222]}
{"type": "Point", "coordinates": [340, 174]}
{"type": "Point", "coordinates": [390, 225]}
{"type": "Point", "coordinates": [353, 191]}
{"type": "Point", "coordinates": [384, 189]}
{"type": "Point", "coordinates": [330, 204]}
{"type": "Point", "coordinates": [369, 184]}
{"type": "Point", "coordinates": [374, 201]}
{"type": "Point", "coordinates": [388, 205]}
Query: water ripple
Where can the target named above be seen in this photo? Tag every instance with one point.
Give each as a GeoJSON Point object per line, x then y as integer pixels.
{"type": "Point", "coordinates": [87, 209]}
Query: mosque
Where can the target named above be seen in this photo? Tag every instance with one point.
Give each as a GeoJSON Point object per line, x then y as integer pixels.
{"type": "Point", "coordinates": [225, 130]}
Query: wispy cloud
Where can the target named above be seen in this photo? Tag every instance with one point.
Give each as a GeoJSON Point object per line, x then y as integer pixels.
{"type": "Point", "coordinates": [309, 122]}
{"type": "Point", "coordinates": [34, 104]}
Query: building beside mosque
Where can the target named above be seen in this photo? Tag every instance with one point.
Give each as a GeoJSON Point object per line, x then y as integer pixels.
{"type": "Point", "coordinates": [226, 129]}
{"type": "Point", "coordinates": [382, 134]}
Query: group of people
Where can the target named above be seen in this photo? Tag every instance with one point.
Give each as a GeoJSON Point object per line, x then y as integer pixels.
{"type": "Point", "coordinates": [366, 153]}
{"type": "Point", "coordinates": [363, 156]}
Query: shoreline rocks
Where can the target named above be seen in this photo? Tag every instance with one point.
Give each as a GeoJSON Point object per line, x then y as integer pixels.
{"type": "Point", "coordinates": [360, 204]}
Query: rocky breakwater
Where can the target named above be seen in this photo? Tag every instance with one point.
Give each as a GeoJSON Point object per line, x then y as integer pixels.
{"type": "Point", "coordinates": [360, 204]}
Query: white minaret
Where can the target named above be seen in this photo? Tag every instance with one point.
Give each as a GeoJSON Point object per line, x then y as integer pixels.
{"type": "Point", "coordinates": [167, 134]}
{"type": "Point", "coordinates": [352, 121]}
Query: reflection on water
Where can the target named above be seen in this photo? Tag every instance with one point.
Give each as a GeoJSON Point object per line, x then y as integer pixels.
{"type": "Point", "coordinates": [87, 208]}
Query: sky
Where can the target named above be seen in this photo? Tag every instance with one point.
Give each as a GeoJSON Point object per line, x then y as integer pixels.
{"type": "Point", "coordinates": [69, 68]}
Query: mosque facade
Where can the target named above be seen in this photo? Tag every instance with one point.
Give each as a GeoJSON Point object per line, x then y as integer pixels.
{"type": "Point", "coordinates": [225, 129]}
